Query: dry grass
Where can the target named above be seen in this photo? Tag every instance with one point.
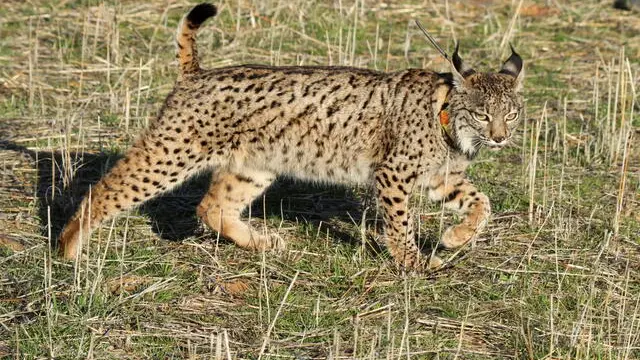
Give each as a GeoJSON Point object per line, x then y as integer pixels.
{"type": "Point", "coordinates": [556, 275]}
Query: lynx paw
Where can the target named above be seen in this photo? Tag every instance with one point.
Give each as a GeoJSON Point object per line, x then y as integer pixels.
{"type": "Point", "coordinates": [70, 240]}
{"type": "Point", "coordinates": [422, 263]}
{"type": "Point", "coordinates": [435, 262]}
{"type": "Point", "coordinates": [458, 235]}
{"type": "Point", "coordinates": [267, 242]}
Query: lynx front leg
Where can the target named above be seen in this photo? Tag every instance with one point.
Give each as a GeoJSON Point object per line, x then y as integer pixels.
{"type": "Point", "coordinates": [458, 194]}
{"type": "Point", "coordinates": [393, 198]}
{"type": "Point", "coordinates": [229, 194]}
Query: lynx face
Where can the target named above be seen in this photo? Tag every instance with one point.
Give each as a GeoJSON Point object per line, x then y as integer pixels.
{"type": "Point", "coordinates": [492, 111]}
{"type": "Point", "coordinates": [486, 107]}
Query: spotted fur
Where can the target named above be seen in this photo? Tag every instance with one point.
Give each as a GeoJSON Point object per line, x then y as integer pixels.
{"type": "Point", "coordinates": [343, 125]}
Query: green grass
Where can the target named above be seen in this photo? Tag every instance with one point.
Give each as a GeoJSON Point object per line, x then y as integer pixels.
{"type": "Point", "coordinates": [555, 276]}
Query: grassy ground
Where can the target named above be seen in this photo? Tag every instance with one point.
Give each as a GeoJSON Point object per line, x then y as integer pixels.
{"type": "Point", "coordinates": [555, 276]}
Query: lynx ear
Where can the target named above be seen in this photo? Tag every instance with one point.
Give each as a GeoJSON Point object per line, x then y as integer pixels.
{"type": "Point", "coordinates": [513, 67]}
{"type": "Point", "coordinates": [459, 69]}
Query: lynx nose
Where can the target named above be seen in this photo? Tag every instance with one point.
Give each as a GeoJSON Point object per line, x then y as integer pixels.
{"type": "Point", "coordinates": [498, 139]}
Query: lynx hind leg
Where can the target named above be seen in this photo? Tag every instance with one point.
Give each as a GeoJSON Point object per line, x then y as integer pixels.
{"type": "Point", "coordinates": [145, 171]}
{"type": "Point", "coordinates": [229, 194]}
{"type": "Point", "coordinates": [75, 230]}
{"type": "Point", "coordinates": [458, 194]}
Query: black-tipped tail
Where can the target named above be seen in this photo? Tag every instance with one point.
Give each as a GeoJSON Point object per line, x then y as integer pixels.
{"type": "Point", "coordinates": [200, 13]}
{"type": "Point", "coordinates": [186, 37]}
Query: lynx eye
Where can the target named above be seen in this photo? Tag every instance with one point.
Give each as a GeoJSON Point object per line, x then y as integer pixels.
{"type": "Point", "coordinates": [481, 117]}
{"type": "Point", "coordinates": [511, 116]}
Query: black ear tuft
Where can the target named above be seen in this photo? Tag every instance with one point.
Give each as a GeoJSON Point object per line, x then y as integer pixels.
{"type": "Point", "coordinates": [459, 65]}
{"type": "Point", "coordinates": [457, 61]}
{"type": "Point", "coordinates": [201, 12]}
{"type": "Point", "coordinates": [513, 65]}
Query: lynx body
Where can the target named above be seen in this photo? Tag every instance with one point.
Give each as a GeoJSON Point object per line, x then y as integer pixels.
{"type": "Point", "coordinates": [334, 124]}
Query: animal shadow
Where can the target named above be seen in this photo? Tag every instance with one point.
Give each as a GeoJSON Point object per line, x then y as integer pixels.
{"type": "Point", "coordinates": [63, 179]}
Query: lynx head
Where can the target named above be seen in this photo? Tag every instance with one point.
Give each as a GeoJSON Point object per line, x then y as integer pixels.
{"type": "Point", "coordinates": [485, 108]}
